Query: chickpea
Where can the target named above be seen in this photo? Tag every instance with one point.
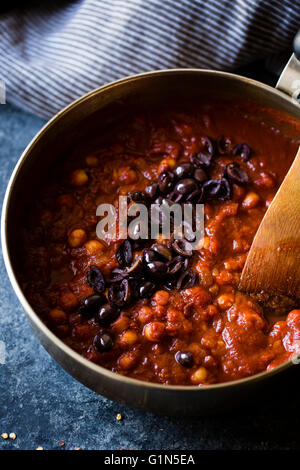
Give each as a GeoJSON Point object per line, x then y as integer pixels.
{"type": "Point", "coordinates": [221, 347]}
{"type": "Point", "coordinates": [205, 275]}
{"type": "Point", "coordinates": [161, 297]}
{"type": "Point", "coordinates": [266, 180]}
{"type": "Point", "coordinates": [197, 295]}
{"type": "Point", "coordinates": [127, 360]}
{"type": "Point", "coordinates": [277, 346]}
{"type": "Point", "coordinates": [127, 175]}
{"type": "Point", "coordinates": [224, 277]}
{"type": "Point", "coordinates": [251, 200]}
{"type": "Point", "coordinates": [225, 301]}
{"type": "Point", "coordinates": [129, 338]}
{"type": "Point", "coordinates": [94, 247]}
{"type": "Point", "coordinates": [145, 314]}
{"type": "Point", "coordinates": [214, 289]}
{"type": "Point", "coordinates": [212, 310]}
{"type": "Point", "coordinates": [199, 375]}
{"type": "Point", "coordinates": [206, 243]}
{"type": "Point", "coordinates": [68, 301]}
{"type": "Point", "coordinates": [92, 160]}
{"type": "Point", "coordinates": [77, 238]}
{"type": "Point", "coordinates": [79, 178]}
{"type": "Point", "coordinates": [166, 164]}
{"type": "Point", "coordinates": [154, 331]}
{"type": "Point", "coordinates": [58, 316]}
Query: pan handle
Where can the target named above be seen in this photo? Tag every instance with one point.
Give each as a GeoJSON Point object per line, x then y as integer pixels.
{"type": "Point", "coordinates": [289, 80]}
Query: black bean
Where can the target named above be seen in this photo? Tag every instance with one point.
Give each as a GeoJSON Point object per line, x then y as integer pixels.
{"type": "Point", "coordinates": [146, 289]}
{"type": "Point", "coordinates": [103, 342]}
{"type": "Point", "coordinates": [95, 279]}
{"type": "Point", "coordinates": [236, 174]}
{"type": "Point", "coordinates": [182, 247]}
{"type": "Point", "coordinates": [157, 269]}
{"type": "Point", "coordinates": [199, 175]}
{"type": "Point", "coordinates": [117, 275]}
{"type": "Point", "coordinates": [152, 190]}
{"type": "Point", "coordinates": [184, 170]}
{"type": "Point", "coordinates": [135, 284]}
{"type": "Point", "coordinates": [185, 359]}
{"type": "Point", "coordinates": [186, 186]}
{"type": "Point", "coordinates": [136, 268]}
{"type": "Point", "coordinates": [175, 265]}
{"type": "Point", "coordinates": [126, 288]}
{"type": "Point", "coordinates": [91, 304]}
{"type": "Point", "coordinates": [211, 189]}
{"type": "Point", "coordinates": [162, 251]}
{"type": "Point", "coordinates": [225, 190]}
{"type": "Point", "coordinates": [165, 181]}
{"type": "Point", "coordinates": [201, 160]}
{"type": "Point", "coordinates": [224, 145]}
{"type": "Point", "coordinates": [175, 197]}
{"type": "Point", "coordinates": [119, 295]}
{"type": "Point", "coordinates": [194, 197]}
{"type": "Point", "coordinates": [216, 189]}
{"type": "Point", "coordinates": [200, 199]}
{"type": "Point", "coordinates": [107, 314]}
{"type": "Point", "coordinates": [209, 145]}
{"type": "Point", "coordinates": [187, 280]}
{"type": "Point", "coordinates": [243, 150]}
{"type": "Point", "coordinates": [170, 284]}
{"type": "Point", "coordinates": [186, 262]}
{"type": "Point", "coordinates": [124, 254]}
{"type": "Point", "coordinates": [138, 196]}
{"type": "Point", "coordinates": [149, 255]}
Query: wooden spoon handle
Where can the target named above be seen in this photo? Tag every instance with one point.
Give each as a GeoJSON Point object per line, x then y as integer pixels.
{"type": "Point", "coordinates": [273, 262]}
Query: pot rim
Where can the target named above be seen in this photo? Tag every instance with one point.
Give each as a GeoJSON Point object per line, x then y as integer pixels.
{"type": "Point", "coordinates": [51, 337]}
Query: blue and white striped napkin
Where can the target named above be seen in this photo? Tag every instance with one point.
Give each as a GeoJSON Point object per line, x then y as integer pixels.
{"type": "Point", "coordinates": [51, 54]}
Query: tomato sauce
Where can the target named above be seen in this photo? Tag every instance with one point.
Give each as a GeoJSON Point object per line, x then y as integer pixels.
{"type": "Point", "coordinates": [203, 333]}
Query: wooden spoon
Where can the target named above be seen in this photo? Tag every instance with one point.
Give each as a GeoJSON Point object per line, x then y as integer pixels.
{"type": "Point", "coordinates": [272, 269]}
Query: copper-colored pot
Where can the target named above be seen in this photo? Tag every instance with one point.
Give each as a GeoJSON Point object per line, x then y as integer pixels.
{"type": "Point", "coordinates": [75, 122]}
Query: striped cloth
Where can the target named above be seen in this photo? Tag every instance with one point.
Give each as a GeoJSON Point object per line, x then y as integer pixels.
{"type": "Point", "coordinates": [52, 53]}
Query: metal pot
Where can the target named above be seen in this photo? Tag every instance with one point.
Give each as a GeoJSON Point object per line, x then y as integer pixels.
{"type": "Point", "coordinates": [75, 122]}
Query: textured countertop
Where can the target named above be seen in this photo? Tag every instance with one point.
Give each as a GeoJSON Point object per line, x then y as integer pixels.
{"type": "Point", "coordinates": [43, 405]}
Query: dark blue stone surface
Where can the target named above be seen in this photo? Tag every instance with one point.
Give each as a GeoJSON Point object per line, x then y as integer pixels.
{"type": "Point", "coordinates": [42, 404]}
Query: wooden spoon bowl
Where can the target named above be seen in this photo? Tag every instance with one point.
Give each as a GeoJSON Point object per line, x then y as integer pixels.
{"type": "Point", "coordinates": [272, 269]}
